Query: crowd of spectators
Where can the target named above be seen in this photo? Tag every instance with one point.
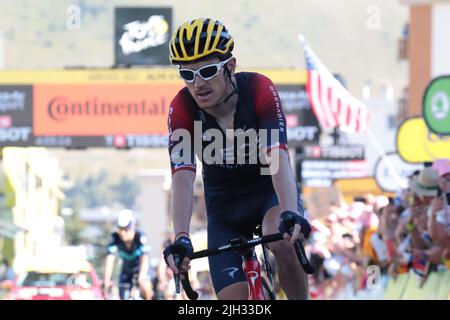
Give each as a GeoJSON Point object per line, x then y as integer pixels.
{"type": "Point", "coordinates": [402, 234]}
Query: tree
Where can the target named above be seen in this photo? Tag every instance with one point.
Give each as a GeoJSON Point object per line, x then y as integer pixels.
{"type": "Point", "coordinates": [126, 191]}
{"type": "Point", "coordinates": [74, 226]}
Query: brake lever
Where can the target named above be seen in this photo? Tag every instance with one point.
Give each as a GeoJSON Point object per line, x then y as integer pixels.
{"type": "Point", "coordinates": [191, 294]}
{"type": "Point", "coordinates": [176, 277]}
{"type": "Point", "coordinates": [300, 250]}
{"type": "Point", "coordinates": [301, 254]}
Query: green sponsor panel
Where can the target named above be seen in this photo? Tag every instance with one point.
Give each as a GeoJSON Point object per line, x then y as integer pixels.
{"type": "Point", "coordinates": [436, 105]}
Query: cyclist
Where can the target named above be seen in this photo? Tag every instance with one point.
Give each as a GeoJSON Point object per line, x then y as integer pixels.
{"type": "Point", "coordinates": [238, 196]}
{"type": "Point", "coordinates": [131, 246]}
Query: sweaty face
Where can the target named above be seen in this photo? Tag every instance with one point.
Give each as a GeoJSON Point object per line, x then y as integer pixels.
{"type": "Point", "coordinates": [207, 93]}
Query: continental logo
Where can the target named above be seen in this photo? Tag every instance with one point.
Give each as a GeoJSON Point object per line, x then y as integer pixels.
{"type": "Point", "coordinates": [62, 108]}
{"type": "Point", "coordinates": [99, 110]}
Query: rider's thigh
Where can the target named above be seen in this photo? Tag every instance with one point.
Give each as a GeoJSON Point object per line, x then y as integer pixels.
{"type": "Point", "coordinates": [225, 268]}
{"type": "Point", "coordinates": [236, 291]}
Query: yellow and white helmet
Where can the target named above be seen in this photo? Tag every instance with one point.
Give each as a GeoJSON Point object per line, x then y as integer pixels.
{"type": "Point", "coordinates": [200, 38]}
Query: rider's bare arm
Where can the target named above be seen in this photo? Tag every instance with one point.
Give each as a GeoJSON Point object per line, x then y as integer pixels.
{"type": "Point", "coordinates": [144, 263]}
{"type": "Point", "coordinates": [182, 200]}
{"type": "Point", "coordinates": [284, 184]}
{"type": "Point", "coordinates": [109, 266]}
{"type": "Point", "coordinates": [181, 209]}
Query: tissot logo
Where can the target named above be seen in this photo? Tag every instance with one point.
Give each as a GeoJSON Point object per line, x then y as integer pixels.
{"type": "Point", "coordinates": [15, 134]}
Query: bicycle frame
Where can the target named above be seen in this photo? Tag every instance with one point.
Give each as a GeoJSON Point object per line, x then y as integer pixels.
{"type": "Point", "coordinates": [130, 291]}
{"type": "Point", "coordinates": [252, 271]}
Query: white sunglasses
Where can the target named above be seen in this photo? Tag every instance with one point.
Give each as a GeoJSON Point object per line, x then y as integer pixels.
{"type": "Point", "coordinates": [206, 73]}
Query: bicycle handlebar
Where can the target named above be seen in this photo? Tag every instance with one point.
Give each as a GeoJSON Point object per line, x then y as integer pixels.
{"type": "Point", "coordinates": [242, 244]}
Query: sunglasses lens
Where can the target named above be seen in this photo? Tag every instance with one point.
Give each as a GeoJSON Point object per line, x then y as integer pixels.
{"type": "Point", "coordinates": [208, 72]}
{"type": "Point", "coordinates": [187, 75]}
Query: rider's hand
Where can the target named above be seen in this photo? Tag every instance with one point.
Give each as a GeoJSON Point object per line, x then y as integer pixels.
{"type": "Point", "coordinates": [294, 227]}
{"type": "Point", "coordinates": [182, 247]}
{"type": "Point", "coordinates": [107, 284]}
{"type": "Point", "coordinates": [142, 278]}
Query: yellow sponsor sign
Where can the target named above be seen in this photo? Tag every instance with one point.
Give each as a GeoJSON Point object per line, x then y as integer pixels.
{"type": "Point", "coordinates": [283, 76]}
{"type": "Point", "coordinates": [358, 187]}
{"type": "Point", "coordinates": [415, 142]}
{"type": "Point", "coordinates": [86, 76]}
{"type": "Point", "coordinates": [134, 75]}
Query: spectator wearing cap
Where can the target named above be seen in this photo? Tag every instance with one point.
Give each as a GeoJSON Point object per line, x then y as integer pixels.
{"type": "Point", "coordinates": [425, 189]}
{"type": "Point", "coordinates": [412, 236]}
{"type": "Point", "coordinates": [407, 199]}
{"type": "Point", "coordinates": [436, 250]}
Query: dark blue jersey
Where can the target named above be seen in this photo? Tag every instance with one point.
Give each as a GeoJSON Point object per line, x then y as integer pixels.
{"type": "Point", "coordinates": [130, 256]}
{"type": "Point", "coordinates": [230, 169]}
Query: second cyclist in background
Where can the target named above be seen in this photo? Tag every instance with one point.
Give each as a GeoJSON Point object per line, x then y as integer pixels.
{"type": "Point", "coordinates": [131, 245]}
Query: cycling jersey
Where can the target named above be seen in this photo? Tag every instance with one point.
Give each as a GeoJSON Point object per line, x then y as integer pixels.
{"type": "Point", "coordinates": [237, 195]}
{"type": "Point", "coordinates": [130, 257]}
{"type": "Point", "coordinates": [258, 107]}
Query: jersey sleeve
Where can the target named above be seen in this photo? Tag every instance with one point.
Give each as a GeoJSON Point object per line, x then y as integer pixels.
{"type": "Point", "coordinates": [269, 113]}
{"type": "Point", "coordinates": [111, 248]}
{"type": "Point", "coordinates": [144, 245]}
{"type": "Point", "coordinates": [181, 135]}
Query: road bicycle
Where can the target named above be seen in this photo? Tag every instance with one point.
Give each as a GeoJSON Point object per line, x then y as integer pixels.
{"type": "Point", "coordinates": [259, 287]}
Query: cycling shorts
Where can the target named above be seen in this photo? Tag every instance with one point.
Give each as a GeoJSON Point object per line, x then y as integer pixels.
{"type": "Point", "coordinates": [126, 276]}
{"type": "Point", "coordinates": [226, 268]}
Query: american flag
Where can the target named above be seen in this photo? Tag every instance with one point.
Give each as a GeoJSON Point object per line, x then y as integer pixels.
{"type": "Point", "coordinates": [332, 104]}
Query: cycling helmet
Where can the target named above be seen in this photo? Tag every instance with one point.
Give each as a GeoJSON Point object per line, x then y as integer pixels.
{"type": "Point", "coordinates": [200, 38]}
{"type": "Point", "coordinates": [125, 218]}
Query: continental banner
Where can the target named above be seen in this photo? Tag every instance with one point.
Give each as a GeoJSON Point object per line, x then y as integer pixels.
{"type": "Point", "coordinates": [95, 110]}
{"type": "Point", "coordinates": [121, 108]}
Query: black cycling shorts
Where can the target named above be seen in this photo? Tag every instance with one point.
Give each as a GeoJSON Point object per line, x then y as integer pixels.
{"type": "Point", "coordinates": [237, 218]}
{"type": "Point", "coordinates": [126, 275]}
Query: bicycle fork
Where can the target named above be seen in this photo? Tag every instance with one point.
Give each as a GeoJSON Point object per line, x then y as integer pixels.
{"type": "Point", "coordinates": [252, 270]}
